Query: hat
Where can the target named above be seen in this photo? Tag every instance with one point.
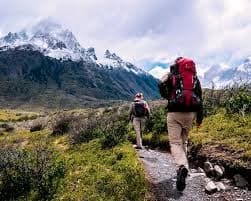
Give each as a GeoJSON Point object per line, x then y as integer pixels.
{"type": "Point", "coordinates": [139, 95]}
{"type": "Point", "coordinates": [177, 59]}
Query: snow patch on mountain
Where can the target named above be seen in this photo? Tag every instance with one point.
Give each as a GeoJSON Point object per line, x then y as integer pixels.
{"type": "Point", "coordinates": [218, 75]}
{"type": "Point", "coordinates": [111, 60]}
{"type": "Point", "coordinates": [51, 39]}
{"type": "Point", "coordinates": [158, 72]}
{"type": "Point", "coordinates": [221, 75]}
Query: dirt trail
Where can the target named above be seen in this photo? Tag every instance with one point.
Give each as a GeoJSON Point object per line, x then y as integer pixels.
{"type": "Point", "coordinates": [161, 174]}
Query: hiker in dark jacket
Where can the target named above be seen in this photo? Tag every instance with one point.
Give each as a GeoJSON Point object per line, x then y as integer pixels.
{"type": "Point", "coordinates": [182, 88]}
{"type": "Point", "coordinates": [138, 112]}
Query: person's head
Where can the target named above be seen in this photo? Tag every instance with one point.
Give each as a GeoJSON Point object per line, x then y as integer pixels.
{"type": "Point", "coordinates": [139, 96]}
{"type": "Point", "coordinates": [177, 59]}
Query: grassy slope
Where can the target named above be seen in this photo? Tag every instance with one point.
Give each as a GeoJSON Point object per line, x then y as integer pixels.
{"type": "Point", "coordinates": [227, 137]}
{"type": "Point", "coordinates": [92, 173]}
{"type": "Point", "coordinates": [12, 115]}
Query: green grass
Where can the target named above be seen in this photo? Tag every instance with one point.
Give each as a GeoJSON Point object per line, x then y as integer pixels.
{"type": "Point", "coordinates": [230, 135]}
{"type": "Point", "coordinates": [13, 115]}
{"type": "Point", "coordinates": [97, 174]}
{"type": "Point", "coordinates": [92, 173]}
{"type": "Point", "coordinates": [152, 140]}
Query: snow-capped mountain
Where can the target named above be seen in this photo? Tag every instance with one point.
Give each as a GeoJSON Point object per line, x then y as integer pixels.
{"type": "Point", "coordinates": [158, 72]}
{"type": "Point", "coordinates": [55, 41]}
{"type": "Point", "coordinates": [49, 38]}
{"type": "Point", "coordinates": [46, 66]}
{"type": "Point", "coordinates": [219, 75]}
{"type": "Point", "coordinates": [111, 60]}
{"type": "Point", "coordinates": [222, 75]}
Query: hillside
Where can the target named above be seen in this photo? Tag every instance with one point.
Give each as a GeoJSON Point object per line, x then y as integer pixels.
{"type": "Point", "coordinates": [28, 77]}
{"type": "Point", "coordinates": [47, 67]}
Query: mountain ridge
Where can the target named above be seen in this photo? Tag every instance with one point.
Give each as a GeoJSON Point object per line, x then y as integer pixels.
{"type": "Point", "coordinates": [54, 65]}
{"type": "Point", "coordinates": [220, 75]}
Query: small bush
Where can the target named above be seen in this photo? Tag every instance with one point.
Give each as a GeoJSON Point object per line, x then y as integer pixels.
{"type": "Point", "coordinates": [112, 129]}
{"type": "Point", "coordinates": [62, 124]}
{"type": "Point", "coordinates": [115, 134]}
{"type": "Point", "coordinates": [38, 126]}
{"type": "Point", "coordinates": [7, 127]}
{"type": "Point", "coordinates": [115, 130]}
{"type": "Point", "coordinates": [239, 103]}
{"type": "Point", "coordinates": [25, 171]}
{"type": "Point", "coordinates": [157, 123]}
{"type": "Point", "coordinates": [85, 130]}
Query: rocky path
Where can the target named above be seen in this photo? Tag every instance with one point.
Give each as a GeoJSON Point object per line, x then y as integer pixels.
{"type": "Point", "coordinates": [161, 174]}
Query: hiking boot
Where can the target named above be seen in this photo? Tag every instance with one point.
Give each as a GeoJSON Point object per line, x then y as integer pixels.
{"type": "Point", "coordinates": [181, 178]}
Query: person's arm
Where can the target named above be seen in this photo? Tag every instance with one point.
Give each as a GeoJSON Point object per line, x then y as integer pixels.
{"type": "Point", "coordinates": [130, 112]}
{"type": "Point", "coordinates": [148, 111]}
{"type": "Point", "coordinates": [164, 85]}
{"type": "Point", "coordinates": [199, 118]}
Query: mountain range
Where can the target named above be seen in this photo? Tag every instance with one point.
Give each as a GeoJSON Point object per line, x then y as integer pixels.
{"type": "Point", "coordinates": [219, 75]}
{"type": "Point", "coordinates": [46, 65]}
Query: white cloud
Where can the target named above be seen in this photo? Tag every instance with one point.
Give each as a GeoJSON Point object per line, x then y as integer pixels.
{"type": "Point", "coordinates": [210, 31]}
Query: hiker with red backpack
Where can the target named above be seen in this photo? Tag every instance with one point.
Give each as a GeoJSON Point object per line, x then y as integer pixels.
{"type": "Point", "coordinates": [182, 88]}
{"type": "Point", "coordinates": [139, 110]}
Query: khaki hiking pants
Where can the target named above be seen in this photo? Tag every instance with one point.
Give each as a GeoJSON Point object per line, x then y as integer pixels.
{"type": "Point", "coordinates": [138, 124]}
{"type": "Point", "coordinates": [179, 124]}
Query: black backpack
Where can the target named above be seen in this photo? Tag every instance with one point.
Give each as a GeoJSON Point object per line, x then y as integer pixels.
{"type": "Point", "coordinates": [139, 109]}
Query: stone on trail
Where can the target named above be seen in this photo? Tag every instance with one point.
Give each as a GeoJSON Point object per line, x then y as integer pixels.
{"type": "Point", "coordinates": [193, 170]}
{"type": "Point", "coordinates": [200, 170]}
{"type": "Point", "coordinates": [210, 187]}
{"type": "Point", "coordinates": [240, 181]}
{"type": "Point", "coordinates": [218, 170]}
{"type": "Point", "coordinates": [208, 168]}
{"type": "Point", "coordinates": [220, 186]}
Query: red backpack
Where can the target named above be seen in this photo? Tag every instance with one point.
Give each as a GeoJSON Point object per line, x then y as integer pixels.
{"type": "Point", "coordinates": [184, 85]}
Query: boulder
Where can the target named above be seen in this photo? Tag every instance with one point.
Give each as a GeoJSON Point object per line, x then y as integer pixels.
{"type": "Point", "coordinates": [208, 168]}
{"type": "Point", "coordinates": [218, 170]}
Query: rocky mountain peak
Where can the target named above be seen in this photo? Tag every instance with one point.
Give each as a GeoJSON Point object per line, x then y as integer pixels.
{"type": "Point", "coordinates": [247, 60]}
{"type": "Point", "coordinates": [113, 56]}
{"type": "Point", "coordinates": [91, 53]}
{"type": "Point", "coordinates": [53, 40]}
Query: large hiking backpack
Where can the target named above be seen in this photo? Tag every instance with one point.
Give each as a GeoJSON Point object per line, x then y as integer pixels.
{"type": "Point", "coordinates": [139, 109]}
{"type": "Point", "coordinates": [184, 87]}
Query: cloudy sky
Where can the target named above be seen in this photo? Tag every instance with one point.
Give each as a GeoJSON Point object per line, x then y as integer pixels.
{"type": "Point", "coordinates": [146, 32]}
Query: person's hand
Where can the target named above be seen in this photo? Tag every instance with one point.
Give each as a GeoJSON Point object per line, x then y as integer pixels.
{"type": "Point", "coordinates": [198, 125]}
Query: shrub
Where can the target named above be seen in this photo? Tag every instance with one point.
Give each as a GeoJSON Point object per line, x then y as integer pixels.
{"type": "Point", "coordinates": [157, 123]}
{"type": "Point", "coordinates": [239, 103]}
{"type": "Point", "coordinates": [25, 171]}
{"type": "Point", "coordinates": [111, 128]}
{"type": "Point", "coordinates": [7, 127]}
{"type": "Point", "coordinates": [85, 130]}
{"type": "Point", "coordinates": [37, 126]}
{"type": "Point", "coordinates": [62, 124]}
{"type": "Point", "coordinates": [115, 130]}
